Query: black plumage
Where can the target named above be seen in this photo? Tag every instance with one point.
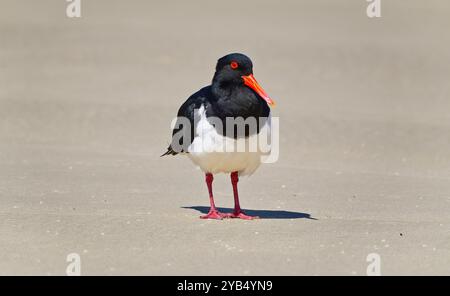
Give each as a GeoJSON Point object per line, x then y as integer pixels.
{"type": "Point", "coordinates": [227, 96]}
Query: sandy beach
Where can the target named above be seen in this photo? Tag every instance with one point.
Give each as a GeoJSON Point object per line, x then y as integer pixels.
{"type": "Point", "coordinates": [85, 111]}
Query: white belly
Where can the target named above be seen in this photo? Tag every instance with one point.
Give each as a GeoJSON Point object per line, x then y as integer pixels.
{"type": "Point", "coordinates": [210, 150]}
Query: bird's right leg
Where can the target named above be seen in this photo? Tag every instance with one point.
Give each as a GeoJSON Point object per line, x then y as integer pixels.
{"type": "Point", "coordinates": [213, 212]}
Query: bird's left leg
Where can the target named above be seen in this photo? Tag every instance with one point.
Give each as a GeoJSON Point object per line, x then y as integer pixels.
{"type": "Point", "coordinates": [238, 213]}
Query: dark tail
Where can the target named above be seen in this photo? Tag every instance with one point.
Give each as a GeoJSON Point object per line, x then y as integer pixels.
{"type": "Point", "coordinates": [169, 152]}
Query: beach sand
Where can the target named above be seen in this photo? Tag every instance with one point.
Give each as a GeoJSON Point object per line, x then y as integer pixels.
{"type": "Point", "coordinates": [85, 111]}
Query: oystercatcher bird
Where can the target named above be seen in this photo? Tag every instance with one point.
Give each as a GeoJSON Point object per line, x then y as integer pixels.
{"type": "Point", "coordinates": [234, 93]}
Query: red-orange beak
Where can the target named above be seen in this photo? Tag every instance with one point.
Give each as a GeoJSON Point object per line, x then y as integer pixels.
{"type": "Point", "coordinates": [251, 82]}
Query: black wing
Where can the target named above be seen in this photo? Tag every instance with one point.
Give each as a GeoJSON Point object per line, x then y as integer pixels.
{"type": "Point", "coordinates": [183, 132]}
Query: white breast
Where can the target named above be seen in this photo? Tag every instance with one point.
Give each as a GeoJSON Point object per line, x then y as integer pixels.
{"type": "Point", "coordinates": [211, 151]}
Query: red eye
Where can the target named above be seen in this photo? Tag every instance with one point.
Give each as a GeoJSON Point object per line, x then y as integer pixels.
{"type": "Point", "coordinates": [234, 65]}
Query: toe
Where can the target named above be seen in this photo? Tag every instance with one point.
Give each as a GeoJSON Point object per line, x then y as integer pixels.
{"type": "Point", "coordinates": [242, 215]}
{"type": "Point", "coordinates": [212, 215]}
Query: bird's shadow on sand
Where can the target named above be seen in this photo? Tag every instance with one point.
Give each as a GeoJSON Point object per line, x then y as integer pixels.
{"type": "Point", "coordinates": [263, 214]}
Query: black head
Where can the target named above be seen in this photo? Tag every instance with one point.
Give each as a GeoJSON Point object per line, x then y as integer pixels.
{"type": "Point", "coordinates": [236, 70]}
{"type": "Point", "coordinates": [231, 68]}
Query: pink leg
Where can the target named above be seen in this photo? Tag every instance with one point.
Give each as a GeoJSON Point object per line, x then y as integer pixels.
{"type": "Point", "coordinates": [213, 212]}
{"type": "Point", "coordinates": [238, 213]}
